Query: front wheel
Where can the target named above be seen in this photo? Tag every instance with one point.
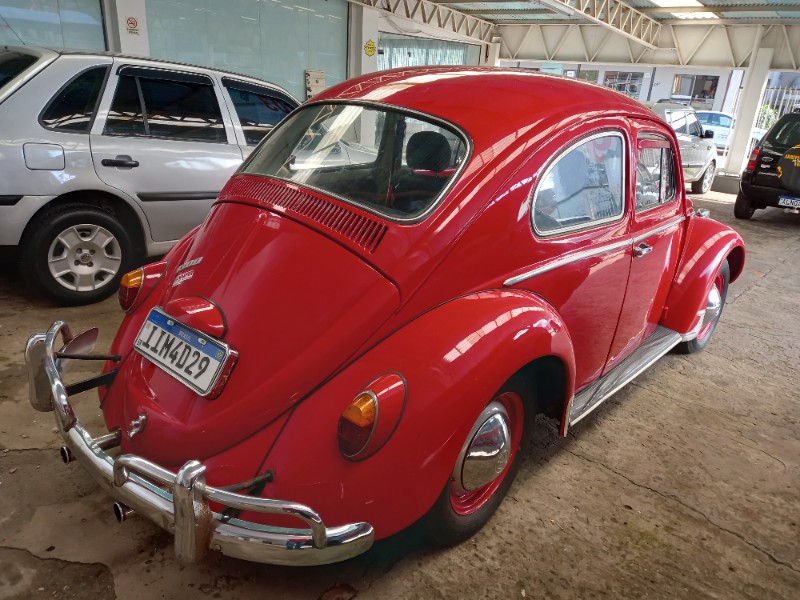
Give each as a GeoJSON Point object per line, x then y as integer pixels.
{"type": "Point", "coordinates": [714, 305]}
{"type": "Point", "coordinates": [484, 470]}
{"type": "Point", "coordinates": [702, 185]}
{"type": "Point", "coordinates": [76, 254]}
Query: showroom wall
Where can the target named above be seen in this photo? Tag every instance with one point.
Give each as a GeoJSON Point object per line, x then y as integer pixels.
{"type": "Point", "coordinates": [54, 23]}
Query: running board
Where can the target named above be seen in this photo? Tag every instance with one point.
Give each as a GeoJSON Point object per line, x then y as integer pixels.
{"type": "Point", "coordinates": [661, 341]}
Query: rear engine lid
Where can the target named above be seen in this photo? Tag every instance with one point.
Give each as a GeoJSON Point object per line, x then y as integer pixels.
{"type": "Point", "coordinates": [296, 305]}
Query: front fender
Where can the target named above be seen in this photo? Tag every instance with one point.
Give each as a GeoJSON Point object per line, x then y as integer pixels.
{"type": "Point", "coordinates": [708, 244]}
{"type": "Point", "coordinates": [453, 358]}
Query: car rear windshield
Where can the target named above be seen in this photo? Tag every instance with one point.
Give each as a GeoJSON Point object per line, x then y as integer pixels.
{"type": "Point", "coordinates": [786, 132]}
{"type": "Point", "coordinates": [390, 162]}
{"type": "Point", "coordinates": [12, 64]}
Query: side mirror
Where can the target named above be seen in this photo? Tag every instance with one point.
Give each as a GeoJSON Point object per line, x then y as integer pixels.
{"type": "Point", "coordinates": [708, 134]}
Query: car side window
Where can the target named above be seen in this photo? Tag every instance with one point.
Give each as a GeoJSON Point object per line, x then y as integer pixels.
{"type": "Point", "coordinates": [677, 118]}
{"type": "Point", "coordinates": [259, 109]}
{"type": "Point", "coordinates": [74, 106]}
{"type": "Point", "coordinates": [582, 187]}
{"type": "Point", "coordinates": [655, 172]}
{"type": "Point", "coordinates": [161, 108]}
{"type": "Point", "coordinates": [693, 125]}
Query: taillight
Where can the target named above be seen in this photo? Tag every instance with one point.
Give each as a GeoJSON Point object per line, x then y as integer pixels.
{"type": "Point", "coordinates": [135, 285]}
{"type": "Point", "coordinates": [751, 163]}
{"type": "Point", "coordinates": [368, 422]}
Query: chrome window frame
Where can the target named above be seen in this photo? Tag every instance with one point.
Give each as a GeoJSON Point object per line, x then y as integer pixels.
{"type": "Point", "coordinates": [378, 106]}
{"type": "Point", "coordinates": [675, 196]}
{"type": "Point", "coordinates": [587, 224]}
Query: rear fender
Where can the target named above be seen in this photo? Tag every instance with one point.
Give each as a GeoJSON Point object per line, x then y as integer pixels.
{"type": "Point", "coordinates": [453, 359]}
{"type": "Point", "coordinates": [708, 244]}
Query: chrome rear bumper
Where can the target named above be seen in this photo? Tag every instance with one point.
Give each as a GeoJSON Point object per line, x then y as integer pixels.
{"type": "Point", "coordinates": [179, 502]}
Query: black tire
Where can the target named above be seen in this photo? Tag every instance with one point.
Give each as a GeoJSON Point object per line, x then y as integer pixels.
{"type": "Point", "coordinates": [743, 208]}
{"type": "Point", "coordinates": [721, 281]}
{"type": "Point", "coordinates": [443, 523]}
{"type": "Point", "coordinates": [93, 252]}
{"type": "Point", "coordinates": [702, 185]}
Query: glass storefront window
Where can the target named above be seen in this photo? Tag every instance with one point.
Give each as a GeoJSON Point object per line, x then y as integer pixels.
{"type": "Point", "coordinates": [625, 82]}
{"type": "Point", "coordinates": [698, 90]}
{"type": "Point", "coordinates": [276, 40]}
{"type": "Point", "coordinates": [76, 24]}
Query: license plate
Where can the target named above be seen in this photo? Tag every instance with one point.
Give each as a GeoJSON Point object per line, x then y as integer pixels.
{"type": "Point", "coordinates": [789, 202]}
{"type": "Point", "coordinates": [189, 356]}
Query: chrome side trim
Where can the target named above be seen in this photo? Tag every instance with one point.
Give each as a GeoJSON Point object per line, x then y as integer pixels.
{"type": "Point", "coordinates": [566, 260]}
{"type": "Point", "coordinates": [661, 341]}
{"type": "Point", "coordinates": [583, 254]}
{"type": "Point", "coordinates": [663, 227]}
{"type": "Point", "coordinates": [179, 502]}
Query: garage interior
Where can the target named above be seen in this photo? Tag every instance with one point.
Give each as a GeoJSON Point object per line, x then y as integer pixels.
{"type": "Point", "coordinates": [686, 484]}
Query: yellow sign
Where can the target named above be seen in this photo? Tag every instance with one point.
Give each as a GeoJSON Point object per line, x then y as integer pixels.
{"type": "Point", "coordinates": [370, 48]}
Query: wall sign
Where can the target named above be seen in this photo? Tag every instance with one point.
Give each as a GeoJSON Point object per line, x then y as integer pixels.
{"type": "Point", "coordinates": [370, 48]}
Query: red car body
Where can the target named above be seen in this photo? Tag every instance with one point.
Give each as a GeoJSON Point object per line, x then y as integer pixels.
{"type": "Point", "coordinates": [321, 297]}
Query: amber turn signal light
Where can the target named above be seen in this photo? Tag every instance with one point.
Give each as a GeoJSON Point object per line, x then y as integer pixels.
{"type": "Point", "coordinates": [357, 424]}
{"type": "Point", "coordinates": [135, 285]}
{"type": "Point", "coordinates": [367, 423]}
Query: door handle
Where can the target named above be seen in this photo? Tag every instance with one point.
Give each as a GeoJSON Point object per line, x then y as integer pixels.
{"type": "Point", "coordinates": [120, 161]}
{"type": "Point", "coordinates": [642, 249]}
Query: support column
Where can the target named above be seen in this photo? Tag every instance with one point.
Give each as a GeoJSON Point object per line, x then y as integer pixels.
{"type": "Point", "coordinates": [755, 82]}
{"type": "Point", "coordinates": [129, 25]}
{"type": "Point", "coordinates": [490, 53]}
{"type": "Point", "coordinates": [363, 41]}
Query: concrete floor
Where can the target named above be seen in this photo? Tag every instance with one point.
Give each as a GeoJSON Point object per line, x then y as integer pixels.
{"type": "Point", "coordinates": [686, 484]}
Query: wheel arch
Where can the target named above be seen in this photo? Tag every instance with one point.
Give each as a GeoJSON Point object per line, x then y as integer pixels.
{"type": "Point", "coordinates": [109, 203]}
{"type": "Point", "coordinates": [454, 359]}
{"type": "Point", "coordinates": [708, 244]}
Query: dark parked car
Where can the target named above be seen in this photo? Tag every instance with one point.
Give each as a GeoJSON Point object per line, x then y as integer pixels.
{"type": "Point", "coordinates": [772, 175]}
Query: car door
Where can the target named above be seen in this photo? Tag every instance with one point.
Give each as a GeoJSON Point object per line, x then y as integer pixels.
{"type": "Point", "coordinates": [164, 141]}
{"type": "Point", "coordinates": [656, 228]}
{"type": "Point", "coordinates": [582, 249]}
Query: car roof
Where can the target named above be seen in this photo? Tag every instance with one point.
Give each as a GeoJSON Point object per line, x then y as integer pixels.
{"type": "Point", "coordinates": [46, 51]}
{"type": "Point", "coordinates": [494, 104]}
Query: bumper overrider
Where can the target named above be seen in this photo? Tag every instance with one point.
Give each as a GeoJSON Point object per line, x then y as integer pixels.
{"type": "Point", "coordinates": [177, 502]}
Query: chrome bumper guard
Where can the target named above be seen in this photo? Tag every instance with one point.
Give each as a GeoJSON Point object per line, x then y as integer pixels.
{"type": "Point", "coordinates": [178, 502]}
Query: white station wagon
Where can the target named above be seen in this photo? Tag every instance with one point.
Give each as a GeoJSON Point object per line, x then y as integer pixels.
{"type": "Point", "coordinates": [107, 159]}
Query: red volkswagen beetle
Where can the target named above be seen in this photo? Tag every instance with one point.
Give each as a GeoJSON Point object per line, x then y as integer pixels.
{"type": "Point", "coordinates": [399, 278]}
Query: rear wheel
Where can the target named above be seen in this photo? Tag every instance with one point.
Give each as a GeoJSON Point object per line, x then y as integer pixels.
{"type": "Point", "coordinates": [484, 470]}
{"type": "Point", "coordinates": [714, 305]}
{"type": "Point", "coordinates": [743, 208]}
{"type": "Point", "coordinates": [76, 254]}
{"type": "Point", "coordinates": [702, 185]}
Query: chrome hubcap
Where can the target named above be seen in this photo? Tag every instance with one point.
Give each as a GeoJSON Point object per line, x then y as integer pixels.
{"type": "Point", "coordinates": [84, 257]}
{"type": "Point", "coordinates": [488, 451]}
{"type": "Point", "coordinates": [713, 307]}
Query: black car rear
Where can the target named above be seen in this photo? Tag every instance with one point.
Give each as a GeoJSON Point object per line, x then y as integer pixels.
{"type": "Point", "coordinates": [772, 175]}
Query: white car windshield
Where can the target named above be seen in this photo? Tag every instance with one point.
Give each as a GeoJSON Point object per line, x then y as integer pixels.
{"type": "Point", "coordinates": [393, 163]}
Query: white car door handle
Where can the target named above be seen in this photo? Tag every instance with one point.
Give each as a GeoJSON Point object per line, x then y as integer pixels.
{"type": "Point", "coordinates": [642, 249]}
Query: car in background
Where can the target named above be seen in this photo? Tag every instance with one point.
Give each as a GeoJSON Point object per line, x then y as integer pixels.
{"type": "Point", "coordinates": [722, 125]}
{"type": "Point", "coordinates": [772, 174]}
{"type": "Point", "coordinates": [345, 349]}
{"type": "Point", "coordinates": [109, 159]}
{"type": "Point", "coordinates": [698, 155]}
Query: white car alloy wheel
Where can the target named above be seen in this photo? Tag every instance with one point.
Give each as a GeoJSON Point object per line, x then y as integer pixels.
{"type": "Point", "coordinates": [84, 257]}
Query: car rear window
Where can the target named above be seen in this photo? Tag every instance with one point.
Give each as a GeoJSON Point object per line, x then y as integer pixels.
{"type": "Point", "coordinates": [390, 162]}
{"type": "Point", "coordinates": [13, 64]}
{"type": "Point", "coordinates": [786, 132]}
{"type": "Point", "coordinates": [73, 108]}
